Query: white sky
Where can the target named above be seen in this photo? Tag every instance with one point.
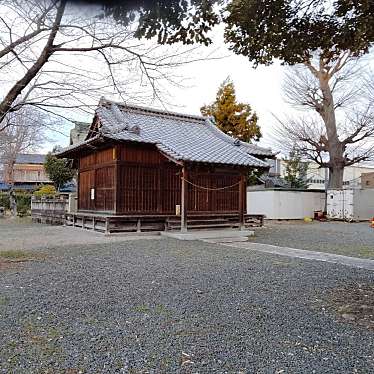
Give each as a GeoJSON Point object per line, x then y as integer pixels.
{"type": "Point", "coordinates": [260, 87]}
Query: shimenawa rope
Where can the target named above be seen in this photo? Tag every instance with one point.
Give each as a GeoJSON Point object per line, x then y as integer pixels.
{"type": "Point", "coordinates": [208, 188]}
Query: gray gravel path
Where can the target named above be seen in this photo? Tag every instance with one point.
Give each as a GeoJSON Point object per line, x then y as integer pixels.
{"type": "Point", "coordinates": [348, 239]}
{"type": "Point", "coordinates": [169, 306]}
{"type": "Point", "coordinates": [21, 234]}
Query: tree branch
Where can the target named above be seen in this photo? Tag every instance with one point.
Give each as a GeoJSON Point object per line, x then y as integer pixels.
{"type": "Point", "coordinates": [15, 91]}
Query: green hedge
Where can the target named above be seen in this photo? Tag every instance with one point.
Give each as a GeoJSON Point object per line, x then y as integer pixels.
{"type": "Point", "coordinates": [23, 202]}
{"type": "Point", "coordinates": [4, 200]}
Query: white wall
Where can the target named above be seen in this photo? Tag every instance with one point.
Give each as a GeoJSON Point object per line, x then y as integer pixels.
{"type": "Point", "coordinates": [283, 204]}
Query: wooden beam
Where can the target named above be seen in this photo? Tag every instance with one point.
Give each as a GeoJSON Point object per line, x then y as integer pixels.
{"type": "Point", "coordinates": [184, 199]}
{"type": "Point", "coordinates": [171, 158]}
{"type": "Point", "coordinates": [159, 188]}
{"type": "Point", "coordinates": [242, 199]}
{"type": "Point", "coordinates": [116, 192]}
{"type": "Point", "coordinates": [78, 186]}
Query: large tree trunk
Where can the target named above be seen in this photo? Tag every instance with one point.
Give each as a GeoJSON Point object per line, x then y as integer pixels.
{"type": "Point", "coordinates": [335, 177]}
{"type": "Point", "coordinates": [10, 180]}
{"type": "Point", "coordinates": [334, 145]}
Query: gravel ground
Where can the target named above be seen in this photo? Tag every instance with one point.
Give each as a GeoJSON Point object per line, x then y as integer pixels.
{"type": "Point", "coordinates": [349, 239]}
{"type": "Point", "coordinates": [22, 234]}
{"type": "Point", "coordinates": [169, 306]}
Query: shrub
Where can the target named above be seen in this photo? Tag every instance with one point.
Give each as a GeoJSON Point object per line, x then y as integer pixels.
{"type": "Point", "coordinates": [23, 203]}
{"type": "Point", "coordinates": [4, 200]}
{"type": "Point", "coordinates": [46, 190]}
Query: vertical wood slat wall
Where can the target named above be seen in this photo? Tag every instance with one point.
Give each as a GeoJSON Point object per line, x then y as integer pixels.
{"type": "Point", "coordinates": [97, 171]}
{"type": "Point", "coordinates": [137, 179]}
{"type": "Point", "coordinates": [149, 183]}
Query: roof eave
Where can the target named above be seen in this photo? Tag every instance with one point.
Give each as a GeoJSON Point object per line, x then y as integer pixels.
{"type": "Point", "coordinates": [69, 152]}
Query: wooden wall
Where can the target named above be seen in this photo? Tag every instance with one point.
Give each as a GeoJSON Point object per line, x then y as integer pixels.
{"type": "Point", "coordinates": [148, 181]}
{"type": "Point", "coordinates": [217, 199]}
{"type": "Point", "coordinates": [138, 179]}
{"type": "Point", "coordinates": [97, 171]}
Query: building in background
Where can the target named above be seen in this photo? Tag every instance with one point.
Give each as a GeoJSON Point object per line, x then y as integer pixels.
{"type": "Point", "coordinates": [318, 177]}
{"type": "Point", "coordinates": [27, 173]}
{"type": "Point", "coordinates": [79, 132]}
{"type": "Point", "coordinates": [367, 180]}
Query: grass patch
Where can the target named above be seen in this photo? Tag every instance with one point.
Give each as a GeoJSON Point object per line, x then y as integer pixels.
{"type": "Point", "coordinates": [15, 255]}
{"type": "Point", "coordinates": [4, 300]}
{"type": "Point", "coordinates": [9, 258]}
{"type": "Point", "coordinates": [142, 309]}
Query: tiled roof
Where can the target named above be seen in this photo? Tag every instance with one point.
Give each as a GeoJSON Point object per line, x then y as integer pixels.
{"type": "Point", "coordinates": [256, 150]}
{"type": "Point", "coordinates": [181, 137]}
{"type": "Point", "coordinates": [24, 158]}
{"type": "Point", "coordinates": [271, 181]}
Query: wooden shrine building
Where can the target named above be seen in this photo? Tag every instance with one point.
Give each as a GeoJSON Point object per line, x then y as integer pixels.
{"type": "Point", "coordinates": [144, 169]}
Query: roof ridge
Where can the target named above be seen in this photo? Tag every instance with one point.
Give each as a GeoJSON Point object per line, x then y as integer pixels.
{"type": "Point", "coordinates": [33, 154]}
{"type": "Point", "coordinates": [154, 111]}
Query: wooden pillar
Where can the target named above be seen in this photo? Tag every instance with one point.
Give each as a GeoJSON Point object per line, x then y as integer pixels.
{"type": "Point", "coordinates": [184, 199]}
{"type": "Point", "coordinates": [116, 196]}
{"type": "Point", "coordinates": [242, 199]}
{"type": "Point", "coordinates": [107, 226]}
{"type": "Point", "coordinates": [78, 186]}
{"type": "Point", "coordinates": [159, 189]}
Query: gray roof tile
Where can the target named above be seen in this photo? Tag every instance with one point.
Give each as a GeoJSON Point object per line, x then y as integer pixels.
{"type": "Point", "coordinates": [24, 158]}
{"type": "Point", "coordinates": [182, 137]}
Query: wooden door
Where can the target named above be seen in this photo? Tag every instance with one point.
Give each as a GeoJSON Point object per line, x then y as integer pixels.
{"type": "Point", "coordinates": [86, 183]}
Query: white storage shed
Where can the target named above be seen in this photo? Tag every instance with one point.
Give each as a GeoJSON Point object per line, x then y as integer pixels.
{"type": "Point", "coordinates": [350, 204]}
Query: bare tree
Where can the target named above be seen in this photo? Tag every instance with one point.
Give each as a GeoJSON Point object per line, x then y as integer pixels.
{"type": "Point", "coordinates": [24, 133]}
{"type": "Point", "coordinates": [55, 55]}
{"type": "Point", "coordinates": [338, 127]}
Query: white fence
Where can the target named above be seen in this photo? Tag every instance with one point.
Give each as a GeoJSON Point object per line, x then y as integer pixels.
{"type": "Point", "coordinates": [284, 204]}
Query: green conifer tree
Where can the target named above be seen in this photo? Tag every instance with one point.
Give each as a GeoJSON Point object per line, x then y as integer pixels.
{"type": "Point", "coordinates": [233, 118]}
{"type": "Point", "coordinates": [296, 170]}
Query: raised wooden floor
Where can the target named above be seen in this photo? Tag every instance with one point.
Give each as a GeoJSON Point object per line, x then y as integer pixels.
{"type": "Point", "coordinates": [143, 223]}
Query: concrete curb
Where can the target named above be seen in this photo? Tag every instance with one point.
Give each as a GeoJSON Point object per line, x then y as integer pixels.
{"type": "Point", "coordinates": [207, 234]}
{"type": "Point", "coordinates": [360, 263]}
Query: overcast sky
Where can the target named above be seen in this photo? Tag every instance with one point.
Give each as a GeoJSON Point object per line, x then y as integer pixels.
{"type": "Point", "coordinates": [260, 87]}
